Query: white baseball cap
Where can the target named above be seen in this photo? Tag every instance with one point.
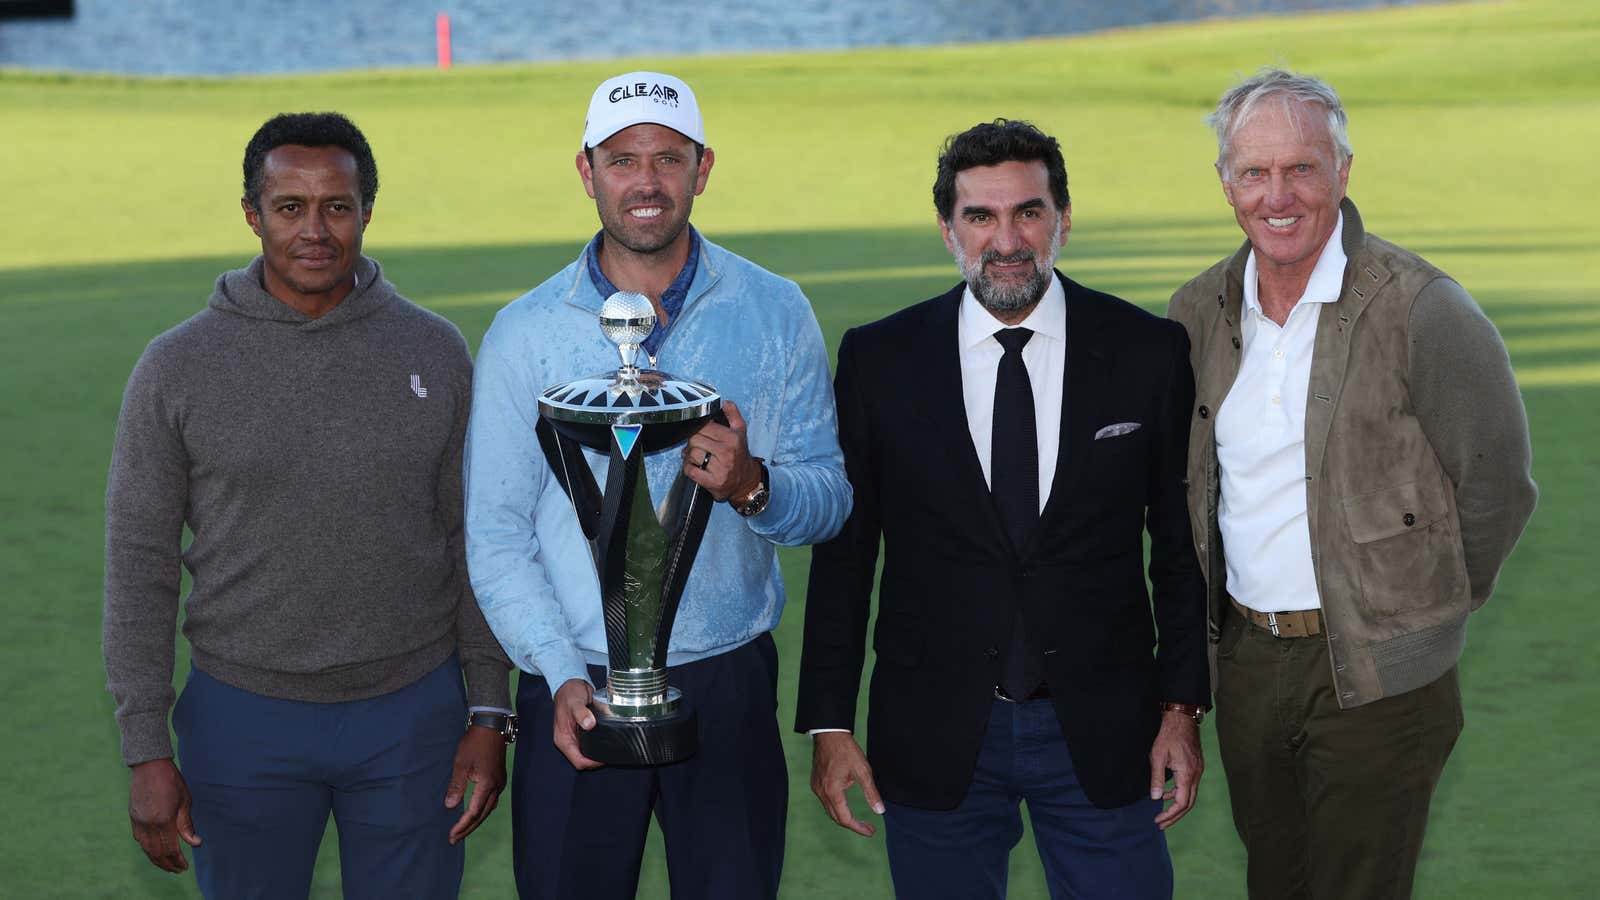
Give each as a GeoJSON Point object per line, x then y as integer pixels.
{"type": "Point", "coordinates": [640, 97]}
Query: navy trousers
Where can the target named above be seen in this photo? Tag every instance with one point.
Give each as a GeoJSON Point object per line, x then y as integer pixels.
{"type": "Point", "coordinates": [722, 811]}
{"type": "Point", "coordinates": [1088, 852]}
{"type": "Point", "coordinates": [265, 773]}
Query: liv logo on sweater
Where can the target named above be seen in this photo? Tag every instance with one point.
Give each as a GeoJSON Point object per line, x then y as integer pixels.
{"type": "Point", "coordinates": [417, 388]}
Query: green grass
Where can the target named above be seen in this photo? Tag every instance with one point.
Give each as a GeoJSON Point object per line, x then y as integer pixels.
{"type": "Point", "coordinates": [1474, 127]}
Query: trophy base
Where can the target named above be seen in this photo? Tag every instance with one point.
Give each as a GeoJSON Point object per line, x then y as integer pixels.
{"type": "Point", "coordinates": [656, 742]}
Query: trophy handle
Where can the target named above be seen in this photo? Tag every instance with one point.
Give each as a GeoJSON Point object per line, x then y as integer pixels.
{"type": "Point", "coordinates": [685, 516]}
{"type": "Point", "coordinates": [687, 510]}
{"type": "Point", "coordinates": [565, 457]}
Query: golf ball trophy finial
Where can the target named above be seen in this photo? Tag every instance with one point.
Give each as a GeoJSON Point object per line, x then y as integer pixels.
{"type": "Point", "coordinates": [627, 319]}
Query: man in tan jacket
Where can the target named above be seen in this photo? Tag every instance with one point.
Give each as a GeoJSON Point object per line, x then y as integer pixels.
{"type": "Point", "coordinates": [1358, 473]}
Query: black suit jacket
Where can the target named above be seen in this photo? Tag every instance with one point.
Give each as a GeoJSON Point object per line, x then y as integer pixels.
{"type": "Point", "coordinates": [952, 582]}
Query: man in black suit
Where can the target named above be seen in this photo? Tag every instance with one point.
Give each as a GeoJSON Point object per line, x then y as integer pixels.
{"type": "Point", "coordinates": [1009, 442]}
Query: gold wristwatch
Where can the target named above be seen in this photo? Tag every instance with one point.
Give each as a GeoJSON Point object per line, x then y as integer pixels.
{"type": "Point", "coordinates": [753, 503]}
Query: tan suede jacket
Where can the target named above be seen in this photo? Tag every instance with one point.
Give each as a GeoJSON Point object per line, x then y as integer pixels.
{"type": "Point", "coordinates": [1417, 457]}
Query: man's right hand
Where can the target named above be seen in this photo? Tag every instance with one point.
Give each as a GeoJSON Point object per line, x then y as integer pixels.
{"type": "Point", "coordinates": [572, 713]}
{"type": "Point", "coordinates": [158, 808]}
{"type": "Point", "coordinates": [836, 763]}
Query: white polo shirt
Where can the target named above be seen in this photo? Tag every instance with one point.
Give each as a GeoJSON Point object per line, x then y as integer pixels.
{"type": "Point", "coordinates": [1261, 445]}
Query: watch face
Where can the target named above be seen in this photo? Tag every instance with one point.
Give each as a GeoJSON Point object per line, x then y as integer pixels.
{"type": "Point", "coordinates": [756, 503]}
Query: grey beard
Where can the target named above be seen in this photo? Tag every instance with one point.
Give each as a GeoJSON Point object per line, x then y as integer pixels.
{"type": "Point", "coordinates": [1007, 297]}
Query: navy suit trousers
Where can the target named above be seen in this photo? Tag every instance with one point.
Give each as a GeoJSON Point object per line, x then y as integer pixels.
{"type": "Point", "coordinates": [265, 774]}
{"type": "Point", "coordinates": [1088, 852]}
{"type": "Point", "coordinates": [722, 811]}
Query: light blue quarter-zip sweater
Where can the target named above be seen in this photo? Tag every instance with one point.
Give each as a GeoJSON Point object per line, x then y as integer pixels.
{"type": "Point", "coordinates": [749, 333]}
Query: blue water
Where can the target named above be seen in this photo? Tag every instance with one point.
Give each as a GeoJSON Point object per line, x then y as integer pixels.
{"type": "Point", "coordinates": [227, 37]}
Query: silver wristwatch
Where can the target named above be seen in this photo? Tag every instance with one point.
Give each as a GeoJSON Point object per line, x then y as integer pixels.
{"type": "Point", "coordinates": [500, 723]}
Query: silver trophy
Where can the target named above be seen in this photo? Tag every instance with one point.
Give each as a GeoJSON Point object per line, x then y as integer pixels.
{"type": "Point", "coordinates": [643, 556]}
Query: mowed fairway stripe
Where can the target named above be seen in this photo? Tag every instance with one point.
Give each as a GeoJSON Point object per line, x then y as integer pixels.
{"type": "Point", "coordinates": [1560, 376]}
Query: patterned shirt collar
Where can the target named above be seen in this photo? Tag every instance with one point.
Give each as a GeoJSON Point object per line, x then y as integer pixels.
{"type": "Point", "coordinates": [672, 299]}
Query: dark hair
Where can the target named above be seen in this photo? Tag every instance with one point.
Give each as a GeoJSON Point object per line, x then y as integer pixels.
{"type": "Point", "coordinates": [699, 153]}
{"type": "Point", "coordinates": [325, 129]}
{"type": "Point", "coordinates": [992, 143]}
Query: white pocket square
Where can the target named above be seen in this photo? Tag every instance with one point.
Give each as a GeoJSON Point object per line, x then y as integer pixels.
{"type": "Point", "coordinates": [1117, 430]}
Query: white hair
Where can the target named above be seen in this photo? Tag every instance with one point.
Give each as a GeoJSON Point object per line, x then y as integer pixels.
{"type": "Point", "coordinates": [1236, 106]}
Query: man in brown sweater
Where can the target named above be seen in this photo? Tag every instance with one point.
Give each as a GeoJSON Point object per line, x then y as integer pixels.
{"type": "Point", "coordinates": [1358, 473]}
{"type": "Point", "coordinates": [306, 427]}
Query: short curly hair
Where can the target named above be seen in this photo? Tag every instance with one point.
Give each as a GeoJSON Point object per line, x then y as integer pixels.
{"type": "Point", "coordinates": [322, 129]}
{"type": "Point", "coordinates": [990, 144]}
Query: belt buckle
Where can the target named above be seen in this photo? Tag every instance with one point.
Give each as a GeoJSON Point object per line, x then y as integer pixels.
{"type": "Point", "coordinates": [1000, 694]}
{"type": "Point", "coordinates": [1272, 622]}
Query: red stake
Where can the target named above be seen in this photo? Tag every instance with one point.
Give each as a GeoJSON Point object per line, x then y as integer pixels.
{"type": "Point", "coordinates": [441, 29]}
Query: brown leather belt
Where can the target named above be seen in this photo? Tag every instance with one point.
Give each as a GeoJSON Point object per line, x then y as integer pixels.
{"type": "Point", "coordinates": [1039, 693]}
{"type": "Point", "coordinates": [1297, 624]}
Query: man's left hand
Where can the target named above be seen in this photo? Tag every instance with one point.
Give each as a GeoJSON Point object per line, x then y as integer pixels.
{"type": "Point", "coordinates": [1177, 747]}
{"type": "Point", "coordinates": [480, 759]}
{"type": "Point", "coordinates": [729, 470]}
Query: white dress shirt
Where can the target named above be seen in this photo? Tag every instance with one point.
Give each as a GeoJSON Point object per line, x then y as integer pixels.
{"type": "Point", "coordinates": [1044, 356]}
{"type": "Point", "coordinates": [1261, 445]}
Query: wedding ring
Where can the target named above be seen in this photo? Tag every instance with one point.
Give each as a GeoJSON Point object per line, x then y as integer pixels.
{"type": "Point", "coordinates": [705, 462]}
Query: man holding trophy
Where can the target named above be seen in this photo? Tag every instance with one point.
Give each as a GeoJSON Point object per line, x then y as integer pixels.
{"type": "Point", "coordinates": [621, 527]}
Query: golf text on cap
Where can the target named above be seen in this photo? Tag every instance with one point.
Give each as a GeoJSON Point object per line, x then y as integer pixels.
{"type": "Point", "coordinates": [660, 93]}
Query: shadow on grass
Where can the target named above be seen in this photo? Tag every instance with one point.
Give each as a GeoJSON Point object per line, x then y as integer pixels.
{"type": "Point", "coordinates": [117, 306]}
{"type": "Point", "coordinates": [107, 311]}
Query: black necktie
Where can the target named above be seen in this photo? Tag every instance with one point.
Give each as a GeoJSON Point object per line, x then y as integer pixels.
{"type": "Point", "coordinates": [1014, 483]}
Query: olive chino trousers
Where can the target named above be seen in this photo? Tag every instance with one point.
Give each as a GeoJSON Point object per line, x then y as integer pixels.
{"type": "Point", "coordinates": [1330, 803]}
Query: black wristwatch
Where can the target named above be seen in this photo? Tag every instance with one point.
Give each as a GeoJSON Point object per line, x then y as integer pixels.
{"type": "Point", "coordinates": [500, 723]}
{"type": "Point", "coordinates": [753, 503]}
